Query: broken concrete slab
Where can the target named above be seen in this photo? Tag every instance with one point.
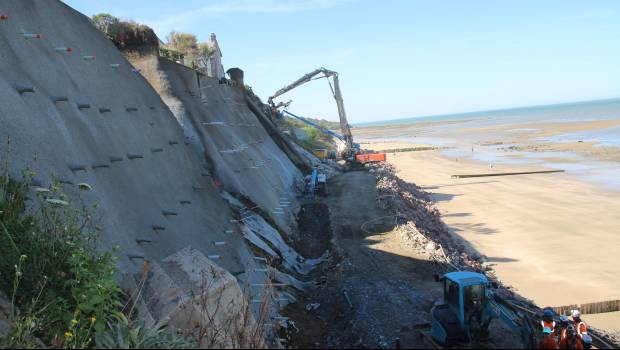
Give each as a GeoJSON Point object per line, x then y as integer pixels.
{"type": "Point", "coordinates": [190, 292]}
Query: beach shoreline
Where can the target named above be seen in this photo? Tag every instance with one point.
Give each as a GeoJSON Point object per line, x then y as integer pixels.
{"type": "Point", "coordinates": [538, 241]}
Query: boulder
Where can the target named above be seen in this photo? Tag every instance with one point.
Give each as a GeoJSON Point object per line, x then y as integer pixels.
{"type": "Point", "coordinates": [191, 293]}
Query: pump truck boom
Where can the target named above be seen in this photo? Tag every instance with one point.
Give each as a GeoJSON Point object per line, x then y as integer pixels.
{"type": "Point", "coordinates": [349, 148]}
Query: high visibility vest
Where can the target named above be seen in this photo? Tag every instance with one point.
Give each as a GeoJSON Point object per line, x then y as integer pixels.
{"type": "Point", "coordinates": [581, 329]}
{"type": "Point", "coordinates": [551, 325]}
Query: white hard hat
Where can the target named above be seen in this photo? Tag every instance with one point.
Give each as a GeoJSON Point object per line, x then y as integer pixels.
{"type": "Point", "coordinates": [575, 313]}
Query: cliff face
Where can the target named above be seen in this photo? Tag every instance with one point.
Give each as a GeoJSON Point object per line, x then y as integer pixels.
{"type": "Point", "coordinates": [96, 121]}
{"type": "Point", "coordinates": [160, 145]}
{"type": "Point", "coordinates": [238, 151]}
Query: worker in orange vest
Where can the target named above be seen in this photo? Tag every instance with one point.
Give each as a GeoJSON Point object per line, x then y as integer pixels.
{"type": "Point", "coordinates": [561, 329]}
{"type": "Point", "coordinates": [580, 326]}
{"type": "Point", "coordinates": [571, 341]}
{"type": "Point", "coordinates": [548, 341]}
{"type": "Point", "coordinates": [547, 320]}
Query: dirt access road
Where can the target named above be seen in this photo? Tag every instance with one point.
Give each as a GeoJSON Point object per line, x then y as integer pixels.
{"type": "Point", "coordinates": [390, 288]}
{"type": "Point", "coordinates": [374, 289]}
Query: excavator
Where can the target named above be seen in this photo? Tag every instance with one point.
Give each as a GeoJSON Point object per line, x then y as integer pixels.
{"type": "Point", "coordinates": [350, 149]}
{"type": "Point", "coordinates": [468, 306]}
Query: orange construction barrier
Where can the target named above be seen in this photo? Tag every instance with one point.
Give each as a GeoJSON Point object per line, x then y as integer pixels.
{"type": "Point", "coordinates": [3, 17]}
{"type": "Point", "coordinates": [370, 158]}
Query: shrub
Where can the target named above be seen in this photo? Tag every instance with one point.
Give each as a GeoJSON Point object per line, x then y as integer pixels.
{"type": "Point", "coordinates": [121, 335]}
{"type": "Point", "coordinates": [125, 34]}
{"type": "Point", "coordinates": [51, 268]}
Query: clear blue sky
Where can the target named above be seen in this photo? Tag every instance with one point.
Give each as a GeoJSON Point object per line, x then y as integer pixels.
{"type": "Point", "coordinates": [405, 58]}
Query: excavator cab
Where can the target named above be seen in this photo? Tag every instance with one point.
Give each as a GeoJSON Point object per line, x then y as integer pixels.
{"type": "Point", "coordinates": [464, 299]}
{"type": "Point", "coordinates": [468, 306]}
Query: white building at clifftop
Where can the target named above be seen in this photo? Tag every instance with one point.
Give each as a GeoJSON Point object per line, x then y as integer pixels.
{"type": "Point", "coordinates": [214, 63]}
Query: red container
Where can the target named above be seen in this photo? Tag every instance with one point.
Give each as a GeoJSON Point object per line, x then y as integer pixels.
{"type": "Point", "coordinates": [370, 158]}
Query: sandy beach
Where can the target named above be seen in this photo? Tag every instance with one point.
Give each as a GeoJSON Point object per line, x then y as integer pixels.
{"type": "Point", "coordinates": [553, 237]}
{"type": "Point", "coordinates": [550, 236]}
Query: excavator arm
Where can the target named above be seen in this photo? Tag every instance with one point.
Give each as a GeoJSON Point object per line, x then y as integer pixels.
{"type": "Point", "coordinates": [516, 320]}
{"type": "Point", "coordinates": [336, 92]}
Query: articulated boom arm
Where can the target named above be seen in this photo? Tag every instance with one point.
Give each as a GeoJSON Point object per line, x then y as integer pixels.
{"type": "Point", "coordinates": [326, 73]}
{"type": "Point", "coordinates": [306, 78]}
{"type": "Point", "coordinates": [515, 320]}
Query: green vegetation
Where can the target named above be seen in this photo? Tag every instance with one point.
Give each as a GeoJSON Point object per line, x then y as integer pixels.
{"type": "Point", "coordinates": [187, 45]}
{"type": "Point", "coordinates": [321, 122]}
{"type": "Point", "coordinates": [183, 47]}
{"type": "Point", "coordinates": [63, 287]}
{"type": "Point", "coordinates": [52, 271]}
{"type": "Point", "coordinates": [124, 33]}
{"type": "Point", "coordinates": [105, 21]}
{"type": "Point", "coordinates": [122, 336]}
{"type": "Point", "coordinates": [316, 138]}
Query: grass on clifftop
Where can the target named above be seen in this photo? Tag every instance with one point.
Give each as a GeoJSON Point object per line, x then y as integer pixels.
{"type": "Point", "coordinates": [62, 288]}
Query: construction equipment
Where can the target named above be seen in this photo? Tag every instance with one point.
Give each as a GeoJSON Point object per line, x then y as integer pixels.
{"type": "Point", "coordinates": [320, 153]}
{"type": "Point", "coordinates": [467, 309]}
{"type": "Point", "coordinates": [370, 158]}
{"type": "Point", "coordinates": [349, 149]}
{"type": "Point", "coordinates": [316, 183]}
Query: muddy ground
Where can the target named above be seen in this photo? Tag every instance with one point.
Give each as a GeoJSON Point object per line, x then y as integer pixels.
{"type": "Point", "coordinates": [390, 289]}
{"type": "Point", "coordinates": [374, 291]}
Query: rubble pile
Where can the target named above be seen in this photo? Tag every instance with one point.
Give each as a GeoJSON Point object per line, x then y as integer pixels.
{"type": "Point", "coordinates": [420, 220]}
{"type": "Point", "coordinates": [421, 227]}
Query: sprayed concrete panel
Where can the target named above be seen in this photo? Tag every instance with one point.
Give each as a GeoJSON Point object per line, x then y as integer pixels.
{"type": "Point", "coordinates": [157, 160]}
{"type": "Point", "coordinates": [239, 153]}
{"type": "Point", "coordinates": [99, 122]}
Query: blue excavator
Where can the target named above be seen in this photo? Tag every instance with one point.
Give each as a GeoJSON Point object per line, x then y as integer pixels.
{"type": "Point", "coordinates": [468, 306]}
{"type": "Point", "coordinates": [316, 183]}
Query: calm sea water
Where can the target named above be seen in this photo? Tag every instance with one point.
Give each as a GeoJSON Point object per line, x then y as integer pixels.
{"type": "Point", "coordinates": [581, 111]}
{"type": "Point", "coordinates": [603, 173]}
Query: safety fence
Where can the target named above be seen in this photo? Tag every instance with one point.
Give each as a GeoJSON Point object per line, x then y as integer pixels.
{"type": "Point", "coordinates": [589, 308]}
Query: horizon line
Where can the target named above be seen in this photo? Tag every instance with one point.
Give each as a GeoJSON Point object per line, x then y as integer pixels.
{"type": "Point", "coordinates": [491, 110]}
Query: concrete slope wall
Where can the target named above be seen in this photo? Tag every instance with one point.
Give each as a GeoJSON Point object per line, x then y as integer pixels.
{"type": "Point", "coordinates": [122, 139]}
{"type": "Point", "coordinates": [239, 152]}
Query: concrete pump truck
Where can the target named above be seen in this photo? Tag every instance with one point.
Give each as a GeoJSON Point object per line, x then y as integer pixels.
{"type": "Point", "coordinates": [349, 150]}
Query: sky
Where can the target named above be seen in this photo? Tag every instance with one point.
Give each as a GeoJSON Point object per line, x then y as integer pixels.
{"type": "Point", "coordinates": [403, 58]}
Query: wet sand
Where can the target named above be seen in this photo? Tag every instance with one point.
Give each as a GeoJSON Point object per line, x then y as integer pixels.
{"type": "Point", "coordinates": [609, 321]}
{"type": "Point", "coordinates": [554, 238]}
{"type": "Point", "coordinates": [530, 137]}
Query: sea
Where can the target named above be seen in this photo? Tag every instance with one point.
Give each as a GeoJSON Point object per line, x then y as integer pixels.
{"type": "Point", "coordinates": [436, 130]}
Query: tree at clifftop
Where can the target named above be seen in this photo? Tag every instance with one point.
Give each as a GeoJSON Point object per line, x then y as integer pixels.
{"type": "Point", "coordinates": [205, 51]}
{"type": "Point", "coordinates": [105, 21]}
{"type": "Point", "coordinates": [185, 43]}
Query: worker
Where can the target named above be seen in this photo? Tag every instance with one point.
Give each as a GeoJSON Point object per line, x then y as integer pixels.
{"type": "Point", "coordinates": [548, 341]}
{"type": "Point", "coordinates": [571, 341]}
{"type": "Point", "coordinates": [580, 326]}
{"type": "Point", "coordinates": [547, 320]}
{"type": "Point", "coordinates": [561, 330]}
